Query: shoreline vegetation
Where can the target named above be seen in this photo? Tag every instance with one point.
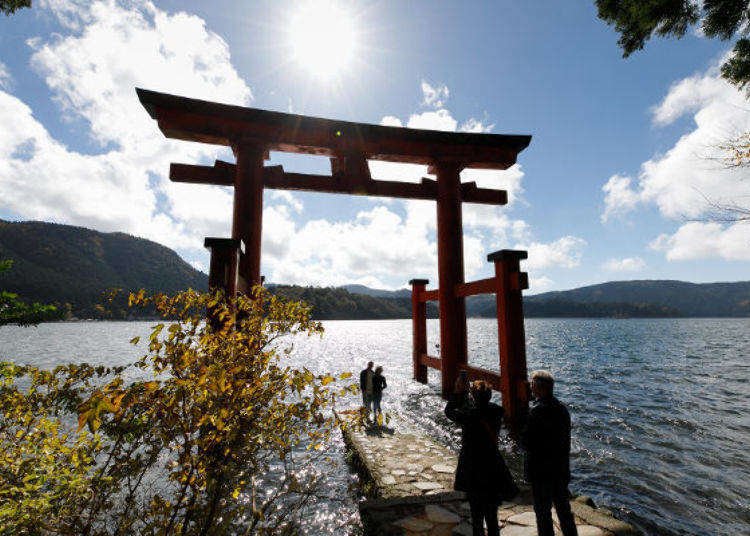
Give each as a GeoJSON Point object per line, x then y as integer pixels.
{"type": "Point", "coordinates": [207, 433]}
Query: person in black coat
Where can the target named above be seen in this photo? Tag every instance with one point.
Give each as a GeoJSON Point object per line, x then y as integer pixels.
{"type": "Point", "coordinates": [378, 384]}
{"type": "Point", "coordinates": [546, 440]}
{"type": "Point", "coordinates": [481, 471]}
{"type": "Point", "coordinates": [365, 385]}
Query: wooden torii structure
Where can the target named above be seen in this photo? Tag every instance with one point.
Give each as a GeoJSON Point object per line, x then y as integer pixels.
{"type": "Point", "coordinates": [252, 133]}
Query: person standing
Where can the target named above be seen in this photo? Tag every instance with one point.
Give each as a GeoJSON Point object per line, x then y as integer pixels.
{"type": "Point", "coordinates": [481, 470]}
{"type": "Point", "coordinates": [365, 385]}
{"type": "Point", "coordinates": [546, 440]}
{"type": "Point", "coordinates": [378, 384]}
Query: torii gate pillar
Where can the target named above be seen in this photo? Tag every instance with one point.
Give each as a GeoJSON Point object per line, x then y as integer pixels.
{"type": "Point", "coordinates": [247, 221]}
{"type": "Point", "coordinates": [453, 351]}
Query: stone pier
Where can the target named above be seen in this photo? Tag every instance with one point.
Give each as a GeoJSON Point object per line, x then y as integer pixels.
{"type": "Point", "coordinates": [407, 480]}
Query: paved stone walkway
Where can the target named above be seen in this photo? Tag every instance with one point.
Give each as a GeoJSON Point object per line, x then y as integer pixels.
{"type": "Point", "coordinates": [408, 479]}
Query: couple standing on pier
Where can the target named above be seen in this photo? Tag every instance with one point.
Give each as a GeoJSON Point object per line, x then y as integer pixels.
{"type": "Point", "coordinates": [482, 472]}
{"type": "Point", "coordinates": [371, 383]}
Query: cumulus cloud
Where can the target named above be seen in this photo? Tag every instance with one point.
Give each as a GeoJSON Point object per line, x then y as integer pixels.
{"type": "Point", "coordinates": [5, 78]}
{"type": "Point", "coordinates": [679, 181]}
{"type": "Point", "coordinates": [92, 70]}
{"type": "Point", "coordinates": [619, 197]}
{"type": "Point", "coordinates": [627, 264]}
{"type": "Point", "coordinates": [565, 252]}
{"type": "Point", "coordinates": [701, 240]}
{"type": "Point", "coordinates": [690, 178]}
{"type": "Point", "coordinates": [434, 96]}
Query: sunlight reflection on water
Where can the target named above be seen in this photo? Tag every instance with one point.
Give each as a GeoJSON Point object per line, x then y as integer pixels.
{"type": "Point", "coordinates": [661, 408]}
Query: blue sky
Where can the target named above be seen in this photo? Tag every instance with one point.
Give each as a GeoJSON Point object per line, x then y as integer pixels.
{"type": "Point", "coordinates": [613, 185]}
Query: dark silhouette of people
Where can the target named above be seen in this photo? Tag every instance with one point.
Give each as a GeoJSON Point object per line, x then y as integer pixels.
{"type": "Point", "coordinates": [546, 440]}
{"type": "Point", "coordinates": [366, 386]}
{"type": "Point", "coordinates": [378, 384]}
{"type": "Point", "coordinates": [481, 471]}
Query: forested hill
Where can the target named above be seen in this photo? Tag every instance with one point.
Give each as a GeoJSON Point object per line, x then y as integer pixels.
{"type": "Point", "coordinates": [684, 299]}
{"type": "Point", "coordinates": [62, 264]}
{"type": "Point", "coordinates": [66, 264]}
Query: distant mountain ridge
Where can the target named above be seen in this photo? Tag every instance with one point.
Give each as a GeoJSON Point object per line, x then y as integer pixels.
{"type": "Point", "coordinates": [637, 298]}
{"type": "Point", "coordinates": [686, 299]}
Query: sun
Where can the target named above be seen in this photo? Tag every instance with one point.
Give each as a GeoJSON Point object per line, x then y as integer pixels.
{"type": "Point", "coordinates": [323, 38]}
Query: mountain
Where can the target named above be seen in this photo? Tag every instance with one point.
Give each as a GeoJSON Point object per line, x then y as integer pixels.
{"type": "Point", "coordinates": [55, 263]}
{"type": "Point", "coordinates": [641, 298]}
{"type": "Point", "coordinates": [685, 299]}
{"type": "Point", "coordinates": [377, 293]}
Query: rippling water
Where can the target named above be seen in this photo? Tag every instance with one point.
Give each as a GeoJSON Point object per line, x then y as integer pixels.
{"type": "Point", "coordinates": [660, 408]}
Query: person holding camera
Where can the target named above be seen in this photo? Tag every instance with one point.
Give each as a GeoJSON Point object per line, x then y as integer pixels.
{"type": "Point", "coordinates": [481, 470]}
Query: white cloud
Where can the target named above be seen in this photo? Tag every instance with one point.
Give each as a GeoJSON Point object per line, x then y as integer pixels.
{"type": "Point", "coordinates": [287, 197]}
{"type": "Point", "coordinates": [619, 197]}
{"type": "Point", "coordinates": [564, 252]}
{"type": "Point", "coordinates": [199, 265]}
{"type": "Point", "coordinates": [5, 78]}
{"type": "Point", "coordinates": [434, 96]}
{"type": "Point", "coordinates": [687, 180]}
{"type": "Point", "coordinates": [540, 284]}
{"type": "Point", "coordinates": [701, 240]}
{"type": "Point", "coordinates": [680, 181]}
{"type": "Point", "coordinates": [92, 71]}
{"type": "Point", "coordinates": [627, 264]}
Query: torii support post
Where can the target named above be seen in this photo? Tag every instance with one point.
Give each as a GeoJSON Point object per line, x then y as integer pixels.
{"type": "Point", "coordinates": [224, 255]}
{"type": "Point", "coordinates": [419, 328]}
{"type": "Point", "coordinates": [247, 221]}
{"type": "Point", "coordinates": [222, 275]}
{"type": "Point", "coordinates": [450, 273]}
{"type": "Point", "coordinates": [510, 333]}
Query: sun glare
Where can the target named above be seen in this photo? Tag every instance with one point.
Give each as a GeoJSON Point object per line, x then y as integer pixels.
{"type": "Point", "coordinates": [323, 38]}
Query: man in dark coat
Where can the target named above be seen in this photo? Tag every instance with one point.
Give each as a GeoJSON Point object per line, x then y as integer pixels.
{"type": "Point", "coordinates": [481, 471]}
{"type": "Point", "coordinates": [546, 440]}
{"type": "Point", "coordinates": [365, 385]}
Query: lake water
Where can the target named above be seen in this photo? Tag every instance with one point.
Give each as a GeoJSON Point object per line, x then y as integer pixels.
{"type": "Point", "coordinates": [660, 408]}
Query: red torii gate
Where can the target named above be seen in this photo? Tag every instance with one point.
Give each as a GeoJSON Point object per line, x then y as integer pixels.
{"type": "Point", "coordinates": [252, 133]}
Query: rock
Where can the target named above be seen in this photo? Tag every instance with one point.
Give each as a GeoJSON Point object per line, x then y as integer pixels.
{"type": "Point", "coordinates": [442, 530]}
{"type": "Point", "coordinates": [387, 480]}
{"type": "Point", "coordinates": [413, 523]}
{"type": "Point", "coordinates": [398, 472]}
{"type": "Point", "coordinates": [463, 529]}
{"type": "Point", "coordinates": [526, 518]}
{"type": "Point", "coordinates": [589, 530]}
{"type": "Point", "coordinates": [504, 513]}
{"type": "Point", "coordinates": [585, 499]}
{"type": "Point", "coordinates": [465, 508]}
{"type": "Point", "coordinates": [518, 530]}
{"type": "Point", "coordinates": [592, 516]}
{"type": "Point", "coordinates": [438, 514]}
{"type": "Point", "coordinates": [426, 486]}
{"type": "Point", "coordinates": [442, 468]}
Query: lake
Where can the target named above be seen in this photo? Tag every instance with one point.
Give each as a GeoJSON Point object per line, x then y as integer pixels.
{"type": "Point", "coordinates": [660, 407]}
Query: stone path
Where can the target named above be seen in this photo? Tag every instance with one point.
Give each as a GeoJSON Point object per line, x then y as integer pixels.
{"type": "Point", "coordinates": [409, 484]}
